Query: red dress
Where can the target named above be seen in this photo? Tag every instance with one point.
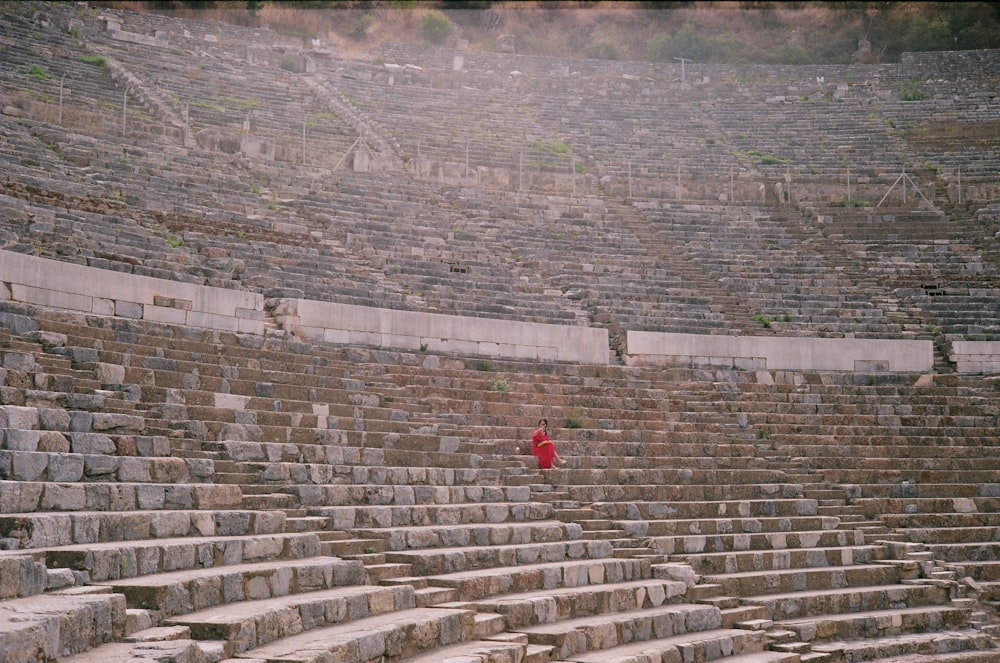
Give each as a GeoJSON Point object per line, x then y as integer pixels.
{"type": "Point", "coordinates": [544, 448]}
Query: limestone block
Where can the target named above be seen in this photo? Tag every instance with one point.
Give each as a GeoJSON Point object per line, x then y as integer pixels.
{"type": "Point", "coordinates": [150, 497]}
{"type": "Point", "coordinates": [20, 497]}
{"type": "Point", "coordinates": [64, 497]}
{"type": "Point", "coordinates": [98, 466]}
{"type": "Point", "coordinates": [56, 419]}
{"type": "Point", "coordinates": [166, 524]}
{"type": "Point", "coordinates": [232, 523]}
{"type": "Point", "coordinates": [13, 416]}
{"type": "Point", "coordinates": [80, 421]}
{"type": "Point", "coordinates": [91, 443]}
{"type": "Point", "coordinates": [21, 440]}
{"type": "Point", "coordinates": [65, 468]}
{"type": "Point", "coordinates": [20, 576]}
{"type": "Point", "coordinates": [49, 530]}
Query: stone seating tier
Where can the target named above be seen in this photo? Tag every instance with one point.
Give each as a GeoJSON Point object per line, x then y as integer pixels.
{"type": "Point", "coordinates": [305, 458]}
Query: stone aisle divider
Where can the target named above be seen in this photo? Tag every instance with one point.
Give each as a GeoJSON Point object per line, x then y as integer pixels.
{"type": "Point", "coordinates": [33, 280]}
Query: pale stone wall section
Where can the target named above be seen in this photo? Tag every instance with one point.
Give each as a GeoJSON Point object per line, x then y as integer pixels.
{"type": "Point", "coordinates": [976, 356]}
{"type": "Point", "coordinates": [411, 330]}
{"type": "Point", "coordinates": [79, 288]}
{"type": "Point", "coordinates": [90, 290]}
{"type": "Point", "coordinates": [780, 353]}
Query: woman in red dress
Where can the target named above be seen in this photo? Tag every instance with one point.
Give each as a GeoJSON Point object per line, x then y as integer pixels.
{"type": "Point", "coordinates": [543, 447]}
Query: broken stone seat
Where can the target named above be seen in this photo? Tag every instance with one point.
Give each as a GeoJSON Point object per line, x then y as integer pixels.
{"type": "Point", "coordinates": [956, 645]}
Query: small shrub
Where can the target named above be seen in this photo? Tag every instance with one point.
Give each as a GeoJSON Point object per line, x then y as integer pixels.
{"type": "Point", "coordinates": [486, 366]}
{"type": "Point", "coordinates": [499, 383]}
{"type": "Point", "coordinates": [911, 92]}
{"type": "Point", "coordinates": [435, 27]}
{"type": "Point", "coordinates": [173, 241]}
{"type": "Point", "coordinates": [769, 160]}
{"type": "Point", "coordinates": [574, 419]}
{"type": "Point", "coordinates": [38, 73]}
{"type": "Point", "coordinates": [96, 60]}
{"type": "Point", "coordinates": [370, 550]}
{"type": "Point", "coordinates": [763, 320]}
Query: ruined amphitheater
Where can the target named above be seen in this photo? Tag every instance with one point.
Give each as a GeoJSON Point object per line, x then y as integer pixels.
{"type": "Point", "coordinates": [276, 326]}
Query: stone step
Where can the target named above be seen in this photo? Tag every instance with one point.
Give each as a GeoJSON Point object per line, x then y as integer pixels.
{"type": "Point", "coordinates": [183, 592]}
{"type": "Point", "coordinates": [163, 651]}
{"type": "Point", "coordinates": [749, 561]}
{"type": "Point", "coordinates": [482, 534]}
{"type": "Point", "coordinates": [355, 517]}
{"type": "Point", "coordinates": [570, 637]}
{"type": "Point", "coordinates": [395, 636]}
{"type": "Point", "coordinates": [44, 529]}
{"type": "Point", "coordinates": [437, 561]}
{"type": "Point", "coordinates": [693, 544]}
{"type": "Point", "coordinates": [486, 651]}
{"type": "Point", "coordinates": [698, 508]}
{"type": "Point", "coordinates": [17, 497]}
{"type": "Point", "coordinates": [353, 548]}
{"type": "Point", "coordinates": [57, 624]}
{"type": "Point", "coordinates": [116, 560]}
{"type": "Point", "coordinates": [481, 583]}
{"type": "Point", "coordinates": [835, 601]}
{"type": "Point", "coordinates": [797, 579]}
{"type": "Point", "coordinates": [557, 604]}
{"type": "Point", "coordinates": [380, 574]}
{"type": "Point", "coordinates": [707, 645]}
{"type": "Point", "coordinates": [722, 526]}
{"type": "Point", "coordinates": [900, 642]}
{"type": "Point", "coordinates": [244, 625]}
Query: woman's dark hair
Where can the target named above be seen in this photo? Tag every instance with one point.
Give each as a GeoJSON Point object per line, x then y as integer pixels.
{"type": "Point", "coordinates": [543, 421]}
